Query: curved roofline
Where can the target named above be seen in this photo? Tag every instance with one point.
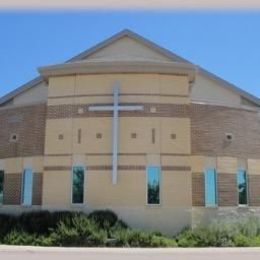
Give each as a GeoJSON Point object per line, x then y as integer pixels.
{"type": "Point", "coordinates": [149, 44]}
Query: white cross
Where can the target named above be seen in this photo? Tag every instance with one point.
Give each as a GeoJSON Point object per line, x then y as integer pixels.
{"type": "Point", "coordinates": [115, 133]}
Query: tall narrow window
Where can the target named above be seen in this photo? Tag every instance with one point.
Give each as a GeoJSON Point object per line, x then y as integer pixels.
{"type": "Point", "coordinates": [242, 187]}
{"type": "Point", "coordinates": [1, 186]}
{"type": "Point", "coordinates": [27, 187]}
{"type": "Point", "coordinates": [210, 188]}
{"type": "Point", "coordinates": [78, 184]}
{"type": "Point", "coordinates": [153, 184]}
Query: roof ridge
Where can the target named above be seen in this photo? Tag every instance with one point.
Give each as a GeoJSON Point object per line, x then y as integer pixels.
{"type": "Point", "coordinates": [148, 43]}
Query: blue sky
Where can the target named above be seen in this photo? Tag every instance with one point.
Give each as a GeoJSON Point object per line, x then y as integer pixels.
{"type": "Point", "coordinates": [225, 43]}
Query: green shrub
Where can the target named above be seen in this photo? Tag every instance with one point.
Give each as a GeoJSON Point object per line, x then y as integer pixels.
{"type": "Point", "coordinates": [206, 236]}
{"type": "Point", "coordinates": [79, 231]}
{"type": "Point", "coordinates": [39, 222]}
{"type": "Point", "coordinates": [7, 223]}
{"type": "Point", "coordinates": [241, 240]}
{"type": "Point", "coordinates": [102, 228]}
{"type": "Point", "coordinates": [255, 241]}
{"type": "Point", "coordinates": [36, 222]}
{"type": "Point", "coordinates": [160, 241]}
{"type": "Point", "coordinates": [223, 233]}
{"type": "Point", "coordinates": [138, 238]}
{"type": "Point", "coordinates": [18, 237]}
{"type": "Point", "coordinates": [186, 239]}
{"type": "Point", "coordinates": [103, 218]}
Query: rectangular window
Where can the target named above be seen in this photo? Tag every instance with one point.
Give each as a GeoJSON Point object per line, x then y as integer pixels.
{"type": "Point", "coordinates": [242, 187]}
{"type": "Point", "coordinates": [153, 185]}
{"type": "Point", "coordinates": [78, 184]}
{"type": "Point", "coordinates": [27, 185]}
{"type": "Point", "coordinates": [210, 188]}
{"type": "Point", "coordinates": [1, 186]}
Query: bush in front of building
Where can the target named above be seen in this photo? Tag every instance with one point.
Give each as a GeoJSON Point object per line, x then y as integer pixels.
{"type": "Point", "coordinates": [104, 218]}
{"type": "Point", "coordinates": [240, 232]}
{"type": "Point", "coordinates": [79, 231]}
{"type": "Point", "coordinates": [103, 228]}
{"type": "Point", "coordinates": [137, 238]}
{"type": "Point", "coordinates": [100, 228]}
{"type": "Point", "coordinates": [39, 222]}
{"type": "Point", "coordinates": [19, 237]}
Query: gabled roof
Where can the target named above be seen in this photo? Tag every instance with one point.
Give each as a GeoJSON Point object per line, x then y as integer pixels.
{"type": "Point", "coordinates": [149, 44]}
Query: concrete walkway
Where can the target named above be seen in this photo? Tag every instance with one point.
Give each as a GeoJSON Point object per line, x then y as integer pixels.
{"type": "Point", "coordinates": [40, 253]}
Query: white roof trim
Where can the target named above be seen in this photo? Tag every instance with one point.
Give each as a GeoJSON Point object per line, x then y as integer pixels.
{"type": "Point", "coordinates": [90, 67]}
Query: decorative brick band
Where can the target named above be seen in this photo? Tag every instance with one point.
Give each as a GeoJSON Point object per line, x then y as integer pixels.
{"type": "Point", "coordinates": [57, 168]}
{"type": "Point", "coordinates": [198, 189]}
{"type": "Point", "coordinates": [254, 190]}
{"type": "Point", "coordinates": [12, 188]}
{"type": "Point", "coordinates": [227, 189]}
{"type": "Point", "coordinates": [161, 110]}
{"type": "Point", "coordinates": [176, 168]}
{"type": "Point", "coordinates": [120, 167]}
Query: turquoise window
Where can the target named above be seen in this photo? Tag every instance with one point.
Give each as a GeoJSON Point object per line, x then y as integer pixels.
{"type": "Point", "coordinates": [1, 186]}
{"type": "Point", "coordinates": [153, 184]}
{"type": "Point", "coordinates": [78, 184]}
{"type": "Point", "coordinates": [242, 187]}
{"type": "Point", "coordinates": [210, 188]}
{"type": "Point", "coordinates": [27, 187]}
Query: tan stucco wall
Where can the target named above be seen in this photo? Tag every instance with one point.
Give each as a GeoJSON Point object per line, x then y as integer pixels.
{"type": "Point", "coordinates": [16, 165]}
{"type": "Point", "coordinates": [210, 91]}
{"type": "Point", "coordinates": [151, 88]}
{"type": "Point", "coordinates": [126, 49]}
{"type": "Point", "coordinates": [127, 198]}
{"type": "Point", "coordinates": [227, 165]}
{"type": "Point", "coordinates": [57, 189]}
{"type": "Point", "coordinates": [90, 127]}
{"type": "Point", "coordinates": [38, 93]}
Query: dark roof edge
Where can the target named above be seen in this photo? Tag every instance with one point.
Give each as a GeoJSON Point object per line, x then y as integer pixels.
{"type": "Point", "coordinates": [230, 86]}
{"type": "Point", "coordinates": [21, 89]}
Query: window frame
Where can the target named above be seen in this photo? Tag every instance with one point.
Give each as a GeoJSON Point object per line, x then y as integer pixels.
{"type": "Point", "coordinates": [146, 183]}
{"type": "Point", "coordinates": [247, 189]}
{"type": "Point", "coordinates": [22, 188]}
{"type": "Point", "coordinates": [84, 176]}
{"type": "Point", "coordinates": [216, 187]}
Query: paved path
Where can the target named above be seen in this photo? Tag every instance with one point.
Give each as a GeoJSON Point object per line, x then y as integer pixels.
{"type": "Point", "coordinates": [38, 253]}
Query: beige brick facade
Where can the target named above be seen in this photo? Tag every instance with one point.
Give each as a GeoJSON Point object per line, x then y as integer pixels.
{"type": "Point", "coordinates": [172, 131]}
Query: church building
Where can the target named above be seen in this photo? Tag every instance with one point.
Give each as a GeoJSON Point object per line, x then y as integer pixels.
{"type": "Point", "coordinates": [132, 127]}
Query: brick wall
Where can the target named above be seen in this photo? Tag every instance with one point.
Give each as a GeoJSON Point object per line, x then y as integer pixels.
{"type": "Point", "coordinates": [254, 189]}
{"type": "Point", "coordinates": [13, 189]}
{"type": "Point", "coordinates": [29, 125]}
{"type": "Point", "coordinates": [227, 189]}
{"type": "Point", "coordinates": [163, 110]}
{"type": "Point", "coordinates": [210, 123]}
{"type": "Point", "coordinates": [198, 189]}
{"type": "Point", "coordinates": [227, 193]}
